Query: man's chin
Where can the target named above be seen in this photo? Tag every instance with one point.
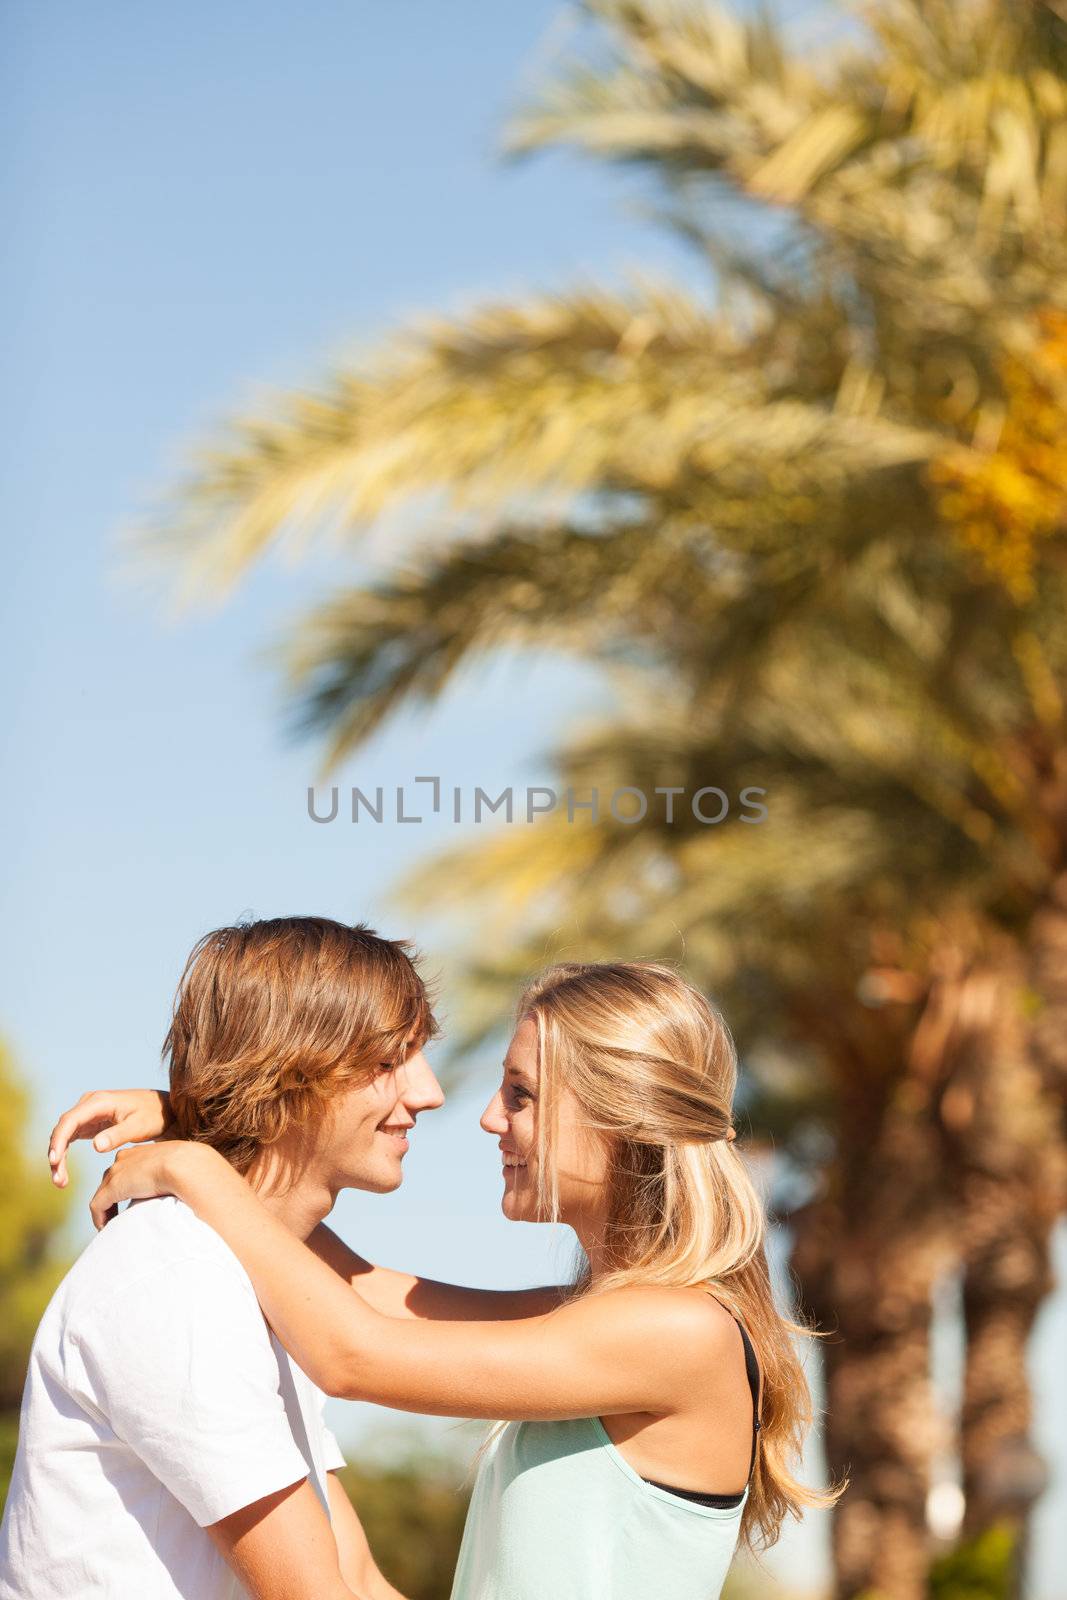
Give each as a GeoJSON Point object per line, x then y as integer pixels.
{"type": "Point", "coordinates": [381, 1181]}
{"type": "Point", "coordinates": [387, 1182]}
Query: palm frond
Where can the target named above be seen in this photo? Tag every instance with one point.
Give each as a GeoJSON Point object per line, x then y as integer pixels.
{"type": "Point", "coordinates": [559, 398]}
{"type": "Point", "coordinates": [694, 89]}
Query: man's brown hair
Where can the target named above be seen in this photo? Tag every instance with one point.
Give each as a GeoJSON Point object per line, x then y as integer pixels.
{"type": "Point", "coordinates": [273, 1018]}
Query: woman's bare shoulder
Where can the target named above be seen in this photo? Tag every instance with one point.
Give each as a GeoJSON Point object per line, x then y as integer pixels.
{"type": "Point", "coordinates": [690, 1317]}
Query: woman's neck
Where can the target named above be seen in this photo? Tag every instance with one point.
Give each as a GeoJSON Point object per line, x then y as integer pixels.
{"type": "Point", "coordinates": [590, 1231]}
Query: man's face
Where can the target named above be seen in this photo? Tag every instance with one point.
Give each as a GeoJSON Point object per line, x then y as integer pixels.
{"type": "Point", "coordinates": [363, 1140]}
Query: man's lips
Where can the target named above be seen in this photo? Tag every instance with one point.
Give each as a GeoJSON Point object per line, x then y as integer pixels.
{"type": "Point", "coordinates": [399, 1136]}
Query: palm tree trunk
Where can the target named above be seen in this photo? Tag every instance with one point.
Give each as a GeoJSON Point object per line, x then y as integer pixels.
{"type": "Point", "coordinates": [873, 1285]}
{"type": "Point", "coordinates": [964, 1164]}
{"type": "Point", "coordinates": [1046, 944]}
{"type": "Point", "coordinates": [867, 1255]}
{"type": "Point", "coordinates": [1006, 1278]}
{"type": "Point", "coordinates": [1008, 1170]}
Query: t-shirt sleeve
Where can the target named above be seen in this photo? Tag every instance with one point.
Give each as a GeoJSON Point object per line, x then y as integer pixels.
{"type": "Point", "coordinates": [333, 1460]}
{"type": "Point", "coordinates": [181, 1366]}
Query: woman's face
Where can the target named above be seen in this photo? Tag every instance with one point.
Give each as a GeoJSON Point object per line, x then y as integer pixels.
{"type": "Point", "coordinates": [511, 1116]}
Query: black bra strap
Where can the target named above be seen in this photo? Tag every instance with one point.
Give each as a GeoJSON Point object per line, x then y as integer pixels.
{"type": "Point", "coordinates": [752, 1368]}
{"type": "Point", "coordinates": [753, 1371]}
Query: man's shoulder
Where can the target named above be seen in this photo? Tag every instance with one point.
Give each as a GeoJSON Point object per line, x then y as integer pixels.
{"type": "Point", "coordinates": [158, 1232]}
{"type": "Point", "coordinates": [150, 1244]}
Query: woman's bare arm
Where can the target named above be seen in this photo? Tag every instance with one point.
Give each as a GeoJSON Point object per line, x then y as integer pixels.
{"type": "Point", "coordinates": [403, 1294]}
{"type": "Point", "coordinates": [595, 1356]}
{"type": "Point", "coordinates": [114, 1117]}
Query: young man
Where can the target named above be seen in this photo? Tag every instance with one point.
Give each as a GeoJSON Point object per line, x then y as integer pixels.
{"type": "Point", "coordinates": [168, 1445]}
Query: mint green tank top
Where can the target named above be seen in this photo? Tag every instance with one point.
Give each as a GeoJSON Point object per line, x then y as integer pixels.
{"type": "Point", "coordinates": [557, 1511]}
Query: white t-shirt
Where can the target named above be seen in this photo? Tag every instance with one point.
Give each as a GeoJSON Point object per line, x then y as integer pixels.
{"type": "Point", "coordinates": [157, 1402]}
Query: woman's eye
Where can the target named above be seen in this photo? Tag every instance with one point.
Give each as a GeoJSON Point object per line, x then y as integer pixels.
{"type": "Point", "coordinates": [387, 1066]}
{"type": "Point", "coordinates": [519, 1095]}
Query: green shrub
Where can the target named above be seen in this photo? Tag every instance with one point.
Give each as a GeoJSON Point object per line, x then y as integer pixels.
{"type": "Point", "coordinates": [413, 1513]}
{"type": "Point", "coordinates": [983, 1568]}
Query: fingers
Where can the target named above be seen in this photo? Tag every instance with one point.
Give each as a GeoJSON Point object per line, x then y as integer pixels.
{"type": "Point", "coordinates": [95, 1116]}
{"type": "Point", "coordinates": [89, 1111]}
{"type": "Point", "coordinates": [58, 1141]}
{"type": "Point", "coordinates": [101, 1207]}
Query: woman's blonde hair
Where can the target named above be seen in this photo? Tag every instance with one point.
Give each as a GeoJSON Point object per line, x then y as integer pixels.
{"type": "Point", "coordinates": [653, 1069]}
{"type": "Point", "coordinates": [273, 1018]}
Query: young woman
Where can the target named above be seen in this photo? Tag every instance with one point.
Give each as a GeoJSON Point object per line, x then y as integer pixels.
{"type": "Point", "coordinates": [647, 1414]}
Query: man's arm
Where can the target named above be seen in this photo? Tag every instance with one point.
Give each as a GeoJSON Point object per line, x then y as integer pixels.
{"type": "Point", "coordinates": [283, 1548]}
{"type": "Point", "coordinates": [358, 1567]}
{"type": "Point", "coordinates": [401, 1294]}
{"type": "Point", "coordinates": [180, 1363]}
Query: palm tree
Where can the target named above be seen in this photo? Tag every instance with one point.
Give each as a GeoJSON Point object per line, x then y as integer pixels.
{"type": "Point", "coordinates": [851, 932]}
{"type": "Point", "coordinates": [781, 510]}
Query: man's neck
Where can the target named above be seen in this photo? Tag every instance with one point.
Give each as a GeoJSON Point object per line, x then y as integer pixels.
{"type": "Point", "coordinates": [299, 1198]}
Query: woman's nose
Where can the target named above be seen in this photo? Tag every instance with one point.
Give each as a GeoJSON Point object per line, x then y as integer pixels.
{"type": "Point", "coordinates": [493, 1119]}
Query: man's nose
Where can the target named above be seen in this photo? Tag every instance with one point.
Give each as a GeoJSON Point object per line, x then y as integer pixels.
{"type": "Point", "coordinates": [422, 1092]}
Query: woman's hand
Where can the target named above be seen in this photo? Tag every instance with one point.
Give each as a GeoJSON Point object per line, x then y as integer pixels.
{"type": "Point", "coordinates": [174, 1166]}
{"type": "Point", "coordinates": [109, 1117]}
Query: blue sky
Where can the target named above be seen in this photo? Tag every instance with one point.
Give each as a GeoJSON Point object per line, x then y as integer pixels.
{"type": "Point", "coordinates": [203, 201]}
